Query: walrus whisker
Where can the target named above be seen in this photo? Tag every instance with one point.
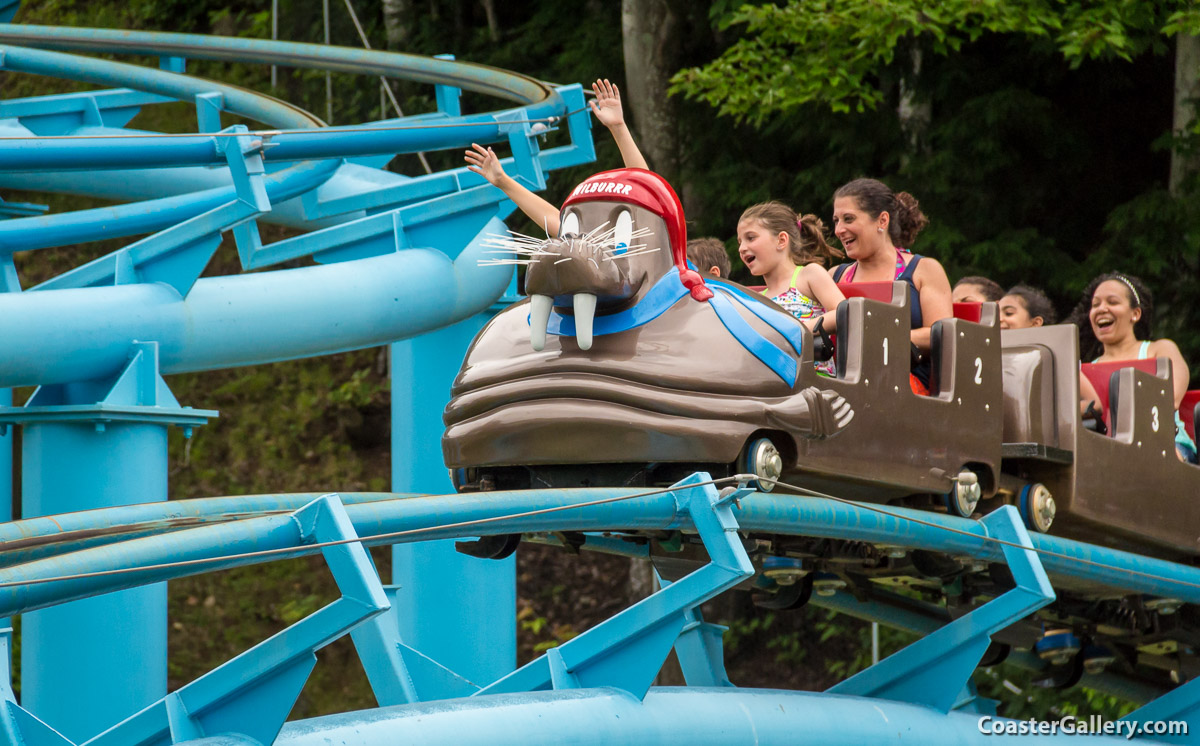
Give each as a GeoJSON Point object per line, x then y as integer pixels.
{"type": "Point", "coordinates": [514, 235]}
{"type": "Point", "coordinates": [519, 252]}
{"type": "Point", "coordinates": [513, 246]}
{"type": "Point", "coordinates": [593, 261]}
{"type": "Point", "coordinates": [629, 254]}
{"type": "Point", "coordinates": [591, 234]}
{"type": "Point", "coordinates": [525, 254]}
{"type": "Point", "coordinates": [564, 259]}
{"type": "Point", "coordinates": [518, 249]}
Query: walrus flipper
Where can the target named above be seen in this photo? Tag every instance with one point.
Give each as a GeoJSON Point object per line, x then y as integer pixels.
{"type": "Point", "coordinates": [812, 413]}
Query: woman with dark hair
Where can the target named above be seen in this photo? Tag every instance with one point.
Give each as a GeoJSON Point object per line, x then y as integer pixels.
{"type": "Point", "coordinates": [1024, 306]}
{"type": "Point", "coordinates": [874, 224]}
{"type": "Point", "coordinates": [1115, 320]}
{"type": "Point", "coordinates": [976, 289]}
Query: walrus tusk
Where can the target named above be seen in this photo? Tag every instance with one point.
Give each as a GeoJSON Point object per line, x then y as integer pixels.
{"type": "Point", "coordinates": [539, 316]}
{"type": "Point", "coordinates": [585, 311]}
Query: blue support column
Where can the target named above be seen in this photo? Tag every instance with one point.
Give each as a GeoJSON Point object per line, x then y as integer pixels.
{"type": "Point", "coordinates": [88, 664]}
{"type": "Point", "coordinates": [457, 610]}
{"type": "Point", "coordinates": [6, 515]}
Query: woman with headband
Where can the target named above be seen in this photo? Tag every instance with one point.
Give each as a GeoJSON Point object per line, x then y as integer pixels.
{"type": "Point", "coordinates": [1114, 319]}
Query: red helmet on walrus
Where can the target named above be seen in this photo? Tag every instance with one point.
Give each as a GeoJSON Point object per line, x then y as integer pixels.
{"type": "Point", "coordinates": [648, 190]}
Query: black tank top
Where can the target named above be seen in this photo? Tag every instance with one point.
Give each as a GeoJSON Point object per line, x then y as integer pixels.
{"type": "Point", "coordinates": [922, 370]}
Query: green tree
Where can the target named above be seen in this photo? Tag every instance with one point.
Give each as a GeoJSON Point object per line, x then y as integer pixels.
{"type": "Point", "coordinates": [834, 52]}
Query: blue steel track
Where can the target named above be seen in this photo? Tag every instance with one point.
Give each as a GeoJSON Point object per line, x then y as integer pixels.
{"type": "Point", "coordinates": [396, 257]}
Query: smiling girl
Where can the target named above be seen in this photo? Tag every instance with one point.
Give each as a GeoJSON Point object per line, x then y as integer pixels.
{"type": "Point", "coordinates": [789, 252]}
{"type": "Point", "coordinates": [873, 224]}
{"type": "Point", "coordinates": [1023, 307]}
{"type": "Point", "coordinates": [1114, 320]}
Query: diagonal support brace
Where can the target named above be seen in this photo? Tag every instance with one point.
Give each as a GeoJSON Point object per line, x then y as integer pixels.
{"type": "Point", "coordinates": [253, 693]}
{"type": "Point", "coordinates": [934, 670]}
{"type": "Point", "coordinates": [243, 154]}
{"type": "Point", "coordinates": [628, 650]}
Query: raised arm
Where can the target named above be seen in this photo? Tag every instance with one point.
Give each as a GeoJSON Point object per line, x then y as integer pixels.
{"type": "Point", "coordinates": [484, 162]}
{"type": "Point", "coordinates": [607, 108]}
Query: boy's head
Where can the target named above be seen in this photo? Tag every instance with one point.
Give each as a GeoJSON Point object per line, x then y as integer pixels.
{"type": "Point", "coordinates": [709, 256]}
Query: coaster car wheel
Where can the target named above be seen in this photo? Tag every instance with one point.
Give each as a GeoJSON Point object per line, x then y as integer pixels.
{"type": "Point", "coordinates": [762, 458]}
{"type": "Point", "coordinates": [785, 597]}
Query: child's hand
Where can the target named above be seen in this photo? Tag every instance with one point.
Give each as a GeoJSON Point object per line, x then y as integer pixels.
{"type": "Point", "coordinates": [484, 162]}
{"type": "Point", "coordinates": [607, 104]}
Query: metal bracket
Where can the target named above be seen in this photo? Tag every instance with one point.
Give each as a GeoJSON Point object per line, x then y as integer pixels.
{"type": "Point", "coordinates": [208, 111]}
{"type": "Point", "coordinates": [628, 650]}
{"type": "Point", "coordinates": [253, 693]}
{"type": "Point", "coordinates": [934, 670]}
{"type": "Point", "coordinates": [523, 142]}
{"type": "Point", "coordinates": [701, 651]}
{"type": "Point", "coordinates": [448, 96]}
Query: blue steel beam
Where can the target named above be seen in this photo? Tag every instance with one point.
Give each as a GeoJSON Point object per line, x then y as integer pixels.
{"type": "Point", "coordinates": [247, 319]}
{"type": "Point", "coordinates": [698, 717]}
{"type": "Point", "coordinates": [63, 113]}
{"type": "Point", "coordinates": [902, 612]}
{"type": "Point", "coordinates": [297, 138]}
{"type": "Point", "coordinates": [933, 670]}
{"type": "Point", "coordinates": [628, 650]}
{"type": "Point", "coordinates": [543, 511]}
{"type": "Point", "coordinates": [489, 81]}
{"type": "Point", "coordinates": [117, 221]}
{"type": "Point", "coordinates": [36, 538]}
{"type": "Point", "coordinates": [252, 694]}
{"type": "Point", "coordinates": [177, 256]}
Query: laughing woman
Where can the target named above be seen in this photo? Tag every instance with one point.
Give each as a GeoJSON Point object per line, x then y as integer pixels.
{"type": "Point", "coordinates": [1115, 318]}
{"type": "Point", "coordinates": [874, 225]}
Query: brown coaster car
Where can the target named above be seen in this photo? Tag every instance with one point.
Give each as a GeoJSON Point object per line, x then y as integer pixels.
{"type": "Point", "coordinates": [1125, 489]}
{"type": "Point", "coordinates": [645, 373]}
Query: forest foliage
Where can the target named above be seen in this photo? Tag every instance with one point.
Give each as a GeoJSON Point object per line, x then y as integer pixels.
{"type": "Point", "coordinates": [1036, 133]}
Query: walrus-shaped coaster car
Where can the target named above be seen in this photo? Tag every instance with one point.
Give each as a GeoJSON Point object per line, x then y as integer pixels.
{"type": "Point", "coordinates": [626, 368]}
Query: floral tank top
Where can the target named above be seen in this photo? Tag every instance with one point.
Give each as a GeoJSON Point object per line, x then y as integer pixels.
{"type": "Point", "coordinates": [802, 307]}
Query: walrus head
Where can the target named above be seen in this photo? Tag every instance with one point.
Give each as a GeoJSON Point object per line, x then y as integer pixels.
{"type": "Point", "coordinates": [621, 231]}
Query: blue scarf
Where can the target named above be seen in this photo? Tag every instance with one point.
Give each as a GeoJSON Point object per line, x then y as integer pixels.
{"type": "Point", "coordinates": [669, 290]}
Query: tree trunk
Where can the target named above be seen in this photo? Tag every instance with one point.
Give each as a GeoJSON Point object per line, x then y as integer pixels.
{"type": "Point", "coordinates": [651, 51]}
{"type": "Point", "coordinates": [915, 115]}
{"type": "Point", "coordinates": [1185, 158]}
{"type": "Point", "coordinates": [396, 15]}
{"type": "Point", "coordinates": [493, 20]}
